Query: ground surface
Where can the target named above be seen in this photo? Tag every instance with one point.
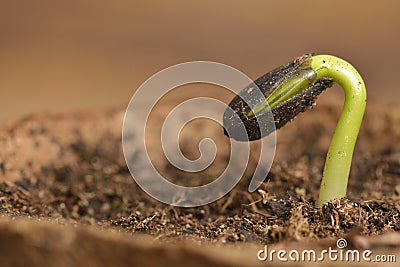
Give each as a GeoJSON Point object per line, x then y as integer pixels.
{"type": "Point", "coordinates": [66, 196]}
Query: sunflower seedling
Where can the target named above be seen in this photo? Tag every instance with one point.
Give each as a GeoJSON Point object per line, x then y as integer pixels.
{"type": "Point", "coordinates": [293, 88]}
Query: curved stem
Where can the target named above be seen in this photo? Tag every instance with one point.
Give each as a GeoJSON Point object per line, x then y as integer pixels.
{"type": "Point", "coordinates": [340, 153]}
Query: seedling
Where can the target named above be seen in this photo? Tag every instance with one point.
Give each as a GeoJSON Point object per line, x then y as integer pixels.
{"type": "Point", "coordinates": [291, 89]}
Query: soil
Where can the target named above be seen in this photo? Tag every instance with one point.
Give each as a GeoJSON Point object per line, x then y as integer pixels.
{"type": "Point", "coordinates": [67, 198]}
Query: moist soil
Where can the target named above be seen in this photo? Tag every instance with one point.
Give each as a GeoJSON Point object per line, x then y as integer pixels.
{"type": "Point", "coordinates": [67, 197]}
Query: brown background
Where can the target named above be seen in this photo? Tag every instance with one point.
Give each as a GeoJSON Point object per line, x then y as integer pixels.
{"type": "Point", "coordinates": [57, 55]}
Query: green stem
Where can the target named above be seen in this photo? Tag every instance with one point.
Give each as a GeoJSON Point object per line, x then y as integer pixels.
{"type": "Point", "coordinates": [340, 153]}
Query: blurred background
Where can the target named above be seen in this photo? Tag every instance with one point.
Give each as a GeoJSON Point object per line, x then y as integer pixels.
{"type": "Point", "coordinates": [59, 55]}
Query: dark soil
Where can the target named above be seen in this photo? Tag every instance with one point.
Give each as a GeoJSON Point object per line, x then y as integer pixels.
{"type": "Point", "coordinates": [68, 168]}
